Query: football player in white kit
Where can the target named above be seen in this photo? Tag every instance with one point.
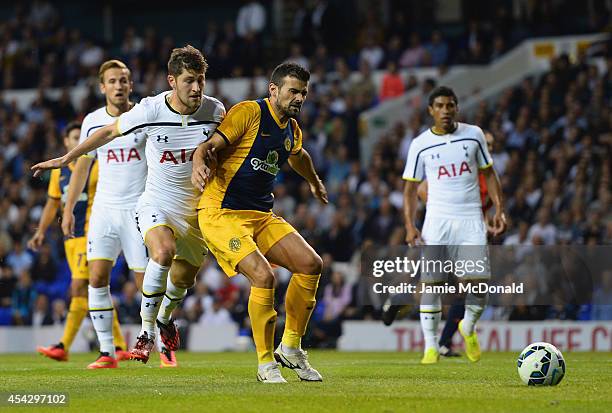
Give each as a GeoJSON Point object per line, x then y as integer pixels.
{"type": "Point", "coordinates": [449, 156]}
{"type": "Point", "coordinates": [174, 123]}
{"type": "Point", "coordinates": [112, 228]}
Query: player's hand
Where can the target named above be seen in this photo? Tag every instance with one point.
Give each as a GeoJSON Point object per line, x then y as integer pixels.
{"type": "Point", "coordinates": [202, 174]}
{"type": "Point", "coordinates": [68, 224]}
{"type": "Point", "coordinates": [319, 191]}
{"type": "Point", "coordinates": [413, 237]}
{"type": "Point", "coordinates": [55, 163]}
{"type": "Point", "coordinates": [36, 241]}
{"type": "Point", "coordinates": [499, 224]}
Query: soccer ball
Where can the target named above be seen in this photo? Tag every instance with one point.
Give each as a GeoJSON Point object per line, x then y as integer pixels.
{"type": "Point", "coordinates": [541, 364]}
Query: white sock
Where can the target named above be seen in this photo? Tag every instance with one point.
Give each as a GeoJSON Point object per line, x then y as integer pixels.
{"type": "Point", "coordinates": [289, 350]}
{"type": "Point", "coordinates": [101, 313]}
{"type": "Point", "coordinates": [431, 312]}
{"type": "Point", "coordinates": [173, 297]}
{"type": "Point", "coordinates": [474, 306]}
{"type": "Point", "coordinates": [153, 289]}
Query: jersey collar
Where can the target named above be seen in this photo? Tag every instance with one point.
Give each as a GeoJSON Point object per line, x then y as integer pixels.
{"type": "Point", "coordinates": [280, 125]}
{"type": "Point", "coordinates": [444, 134]}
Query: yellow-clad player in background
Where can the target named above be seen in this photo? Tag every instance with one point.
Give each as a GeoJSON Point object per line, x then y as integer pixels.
{"type": "Point", "coordinates": [253, 142]}
{"type": "Point", "coordinates": [76, 248]}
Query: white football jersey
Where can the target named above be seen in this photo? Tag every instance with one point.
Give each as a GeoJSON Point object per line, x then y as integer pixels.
{"type": "Point", "coordinates": [122, 163]}
{"type": "Point", "coordinates": [450, 163]}
{"type": "Point", "coordinates": [172, 140]}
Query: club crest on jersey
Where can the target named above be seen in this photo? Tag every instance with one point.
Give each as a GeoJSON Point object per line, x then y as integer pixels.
{"type": "Point", "coordinates": [450, 171]}
{"type": "Point", "coordinates": [287, 144]}
{"type": "Point", "coordinates": [269, 165]}
{"type": "Point", "coordinates": [235, 244]}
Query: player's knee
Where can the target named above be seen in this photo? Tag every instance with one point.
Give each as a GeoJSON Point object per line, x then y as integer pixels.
{"type": "Point", "coordinates": [314, 265]}
{"type": "Point", "coordinates": [163, 255]}
{"type": "Point", "coordinates": [263, 277]}
{"type": "Point", "coordinates": [97, 281]}
{"type": "Point", "coordinates": [184, 282]}
{"type": "Point", "coordinates": [97, 277]}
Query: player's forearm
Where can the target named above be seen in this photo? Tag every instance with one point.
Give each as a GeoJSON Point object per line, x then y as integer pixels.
{"type": "Point", "coordinates": [48, 214]}
{"type": "Point", "coordinates": [215, 143]}
{"type": "Point", "coordinates": [495, 191]}
{"type": "Point", "coordinates": [410, 202]}
{"type": "Point", "coordinates": [77, 182]}
{"type": "Point", "coordinates": [99, 138]}
{"type": "Point", "coordinates": [302, 164]}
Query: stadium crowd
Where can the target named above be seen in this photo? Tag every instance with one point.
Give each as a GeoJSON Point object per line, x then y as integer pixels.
{"type": "Point", "coordinates": [552, 150]}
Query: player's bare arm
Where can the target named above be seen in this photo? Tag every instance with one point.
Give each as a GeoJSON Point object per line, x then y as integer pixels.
{"type": "Point", "coordinates": [422, 192]}
{"type": "Point", "coordinates": [495, 192]}
{"type": "Point", "coordinates": [301, 163]}
{"type": "Point", "coordinates": [78, 179]}
{"type": "Point", "coordinates": [99, 138]}
{"type": "Point", "coordinates": [48, 214]}
{"type": "Point", "coordinates": [205, 160]}
{"type": "Point", "coordinates": [413, 235]}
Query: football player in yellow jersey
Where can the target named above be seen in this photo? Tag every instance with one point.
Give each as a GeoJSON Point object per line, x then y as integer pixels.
{"type": "Point", "coordinates": [236, 169]}
{"type": "Point", "coordinates": [76, 248]}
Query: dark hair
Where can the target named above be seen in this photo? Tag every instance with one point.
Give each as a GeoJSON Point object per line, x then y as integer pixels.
{"type": "Point", "coordinates": [69, 127]}
{"type": "Point", "coordinates": [442, 91]}
{"type": "Point", "coordinates": [187, 58]}
{"type": "Point", "coordinates": [289, 69]}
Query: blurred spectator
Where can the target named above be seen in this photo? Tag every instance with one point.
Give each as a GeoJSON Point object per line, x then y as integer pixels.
{"type": "Point", "coordinates": [437, 49]}
{"type": "Point", "coordinates": [7, 285]}
{"type": "Point", "coordinates": [372, 53]}
{"type": "Point", "coordinates": [217, 314]}
{"type": "Point", "coordinates": [543, 230]}
{"type": "Point", "coordinates": [336, 298]}
{"type": "Point", "coordinates": [45, 267]}
{"type": "Point", "coordinates": [128, 309]}
{"type": "Point", "coordinates": [414, 54]}
{"type": "Point", "coordinates": [251, 19]}
{"type": "Point", "coordinates": [19, 259]}
{"type": "Point", "coordinates": [41, 315]}
{"type": "Point", "coordinates": [392, 83]}
{"type": "Point", "coordinates": [58, 312]}
{"type": "Point", "coordinates": [23, 300]}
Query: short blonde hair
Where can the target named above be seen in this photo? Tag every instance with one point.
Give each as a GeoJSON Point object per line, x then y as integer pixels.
{"type": "Point", "coordinates": [112, 64]}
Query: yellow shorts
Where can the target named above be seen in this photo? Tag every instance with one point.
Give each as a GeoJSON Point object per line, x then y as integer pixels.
{"type": "Point", "coordinates": [76, 254]}
{"type": "Point", "coordinates": [231, 235]}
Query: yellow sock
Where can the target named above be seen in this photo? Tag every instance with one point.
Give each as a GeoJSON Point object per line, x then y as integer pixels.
{"type": "Point", "coordinates": [118, 338]}
{"type": "Point", "coordinates": [263, 322]}
{"type": "Point", "coordinates": [76, 313]}
{"type": "Point", "coordinates": [299, 305]}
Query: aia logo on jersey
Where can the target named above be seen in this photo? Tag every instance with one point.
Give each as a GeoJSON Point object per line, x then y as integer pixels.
{"type": "Point", "coordinates": [177, 157]}
{"type": "Point", "coordinates": [450, 171]}
{"type": "Point", "coordinates": [122, 155]}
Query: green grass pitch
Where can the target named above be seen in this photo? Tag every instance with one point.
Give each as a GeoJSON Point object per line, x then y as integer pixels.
{"type": "Point", "coordinates": [354, 382]}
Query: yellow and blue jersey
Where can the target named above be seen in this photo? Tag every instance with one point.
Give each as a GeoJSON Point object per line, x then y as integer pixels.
{"type": "Point", "coordinates": [58, 189]}
{"type": "Point", "coordinates": [258, 146]}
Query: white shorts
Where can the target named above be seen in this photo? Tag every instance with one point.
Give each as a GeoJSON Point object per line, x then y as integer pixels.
{"type": "Point", "coordinates": [190, 245]}
{"type": "Point", "coordinates": [458, 240]}
{"type": "Point", "coordinates": [112, 230]}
